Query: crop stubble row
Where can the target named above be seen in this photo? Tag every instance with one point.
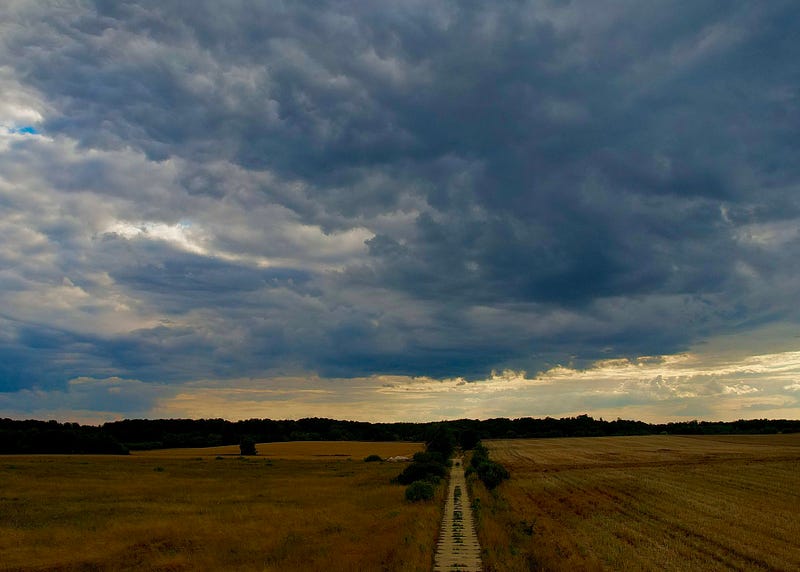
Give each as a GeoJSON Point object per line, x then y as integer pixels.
{"type": "Point", "coordinates": [645, 503]}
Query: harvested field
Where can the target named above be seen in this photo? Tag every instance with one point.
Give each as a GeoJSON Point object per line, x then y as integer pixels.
{"type": "Point", "coordinates": [644, 503]}
{"type": "Point", "coordinates": [191, 511]}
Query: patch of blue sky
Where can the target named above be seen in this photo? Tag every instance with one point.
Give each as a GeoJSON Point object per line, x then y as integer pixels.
{"type": "Point", "coordinates": [25, 130]}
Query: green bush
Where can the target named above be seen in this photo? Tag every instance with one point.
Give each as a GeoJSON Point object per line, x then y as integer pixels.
{"type": "Point", "coordinates": [420, 472]}
{"type": "Point", "coordinates": [492, 474]}
{"type": "Point", "coordinates": [372, 459]}
{"type": "Point", "coordinates": [480, 454]}
{"type": "Point", "coordinates": [419, 491]}
{"type": "Point", "coordinates": [428, 457]}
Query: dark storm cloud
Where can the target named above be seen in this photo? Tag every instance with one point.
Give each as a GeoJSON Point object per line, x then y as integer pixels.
{"type": "Point", "coordinates": [417, 188]}
{"type": "Point", "coordinates": [41, 357]}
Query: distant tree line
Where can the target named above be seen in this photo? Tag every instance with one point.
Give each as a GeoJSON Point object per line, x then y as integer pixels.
{"type": "Point", "coordinates": [53, 437]}
{"type": "Point", "coordinates": [118, 436]}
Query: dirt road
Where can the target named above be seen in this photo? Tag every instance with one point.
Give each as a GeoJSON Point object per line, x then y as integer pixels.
{"type": "Point", "coordinates": [458, 547]}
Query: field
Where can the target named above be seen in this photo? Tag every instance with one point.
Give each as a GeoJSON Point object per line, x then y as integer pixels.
{"type": "Point", "coordinates": [644, 503]}
{"type": "Point", "coordinates": [295, 506]}
{"type": "Point", "coordinates": [298, 450]}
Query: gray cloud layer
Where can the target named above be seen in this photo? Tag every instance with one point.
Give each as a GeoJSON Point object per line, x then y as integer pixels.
{"type": "Point", "coordinates": [419, 188]}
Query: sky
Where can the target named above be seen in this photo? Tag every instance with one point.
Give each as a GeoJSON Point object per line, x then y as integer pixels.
{"type": "Point", "coordinates": [390, 211]}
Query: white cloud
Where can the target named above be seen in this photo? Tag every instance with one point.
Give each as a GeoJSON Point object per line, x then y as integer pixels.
{"type": "Point", "coordinates": [20, 106]}
{"type": "Point", "coordinates": [179, 234]}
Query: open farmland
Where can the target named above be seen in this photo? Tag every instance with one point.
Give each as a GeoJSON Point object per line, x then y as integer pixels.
{"type": "Point", "coordinates": [299, 450]}
{"type": "Point", "coordinates": [309, 507]}
{"type": "Point", "coordinates": [644, 503]}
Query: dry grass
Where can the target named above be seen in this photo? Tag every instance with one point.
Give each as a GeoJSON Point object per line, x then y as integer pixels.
{"type": "Point", "coordinates": [644, 503]}
{"type": "Point", "coordinates": [299, 450]}
{"type": "Point", "coordinates": [162, 512]}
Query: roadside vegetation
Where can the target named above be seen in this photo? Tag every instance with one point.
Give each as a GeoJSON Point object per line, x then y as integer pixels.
{"type": "Point", "coordinates": [428, 468]}
{"type": "Point", "coordinates": [491, 473]}
{"type": "Point", "coordinates": [643, 503]}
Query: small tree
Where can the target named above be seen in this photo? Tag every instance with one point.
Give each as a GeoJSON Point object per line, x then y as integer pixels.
{"type": "Point", "coordinates": [247, 446]}
{"type": "Point", "coordinates": [440, 440]}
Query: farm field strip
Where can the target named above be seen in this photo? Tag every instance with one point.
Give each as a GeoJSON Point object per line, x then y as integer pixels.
{"type": "Point", "coordinates": [696, 511]}
{"type": "Point", "coordinates": [297, 450]}
{"type": "Point", "coordinates": [686, 526]}
{"type": "Point", "coordinates": [156, 512]}
{"type": "Point", "coordinates": [645, 503]}
{"type": "Point", "coordinates": [579, 452]}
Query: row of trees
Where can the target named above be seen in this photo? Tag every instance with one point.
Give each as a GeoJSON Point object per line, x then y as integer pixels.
{"type": "Point", "coordinates": [53, 437]}
{"type": "Point", "coordinates": [36, 437]}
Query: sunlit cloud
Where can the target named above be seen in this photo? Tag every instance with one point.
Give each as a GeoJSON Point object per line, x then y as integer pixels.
{"type": "Point", "coordinates": [191, 237]}
{"type": "Point", "coordinates": [656, 389]}
{"type": "Point", "coordinates": [179, 234]}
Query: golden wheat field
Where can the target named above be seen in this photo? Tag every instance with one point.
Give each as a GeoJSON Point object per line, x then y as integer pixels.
{"type": "Point", "coordinates": [298, 450]}
{"type": "Point", "coordinates": [309, 507]}
{"type": "Point", "coordinates": [643, 503]}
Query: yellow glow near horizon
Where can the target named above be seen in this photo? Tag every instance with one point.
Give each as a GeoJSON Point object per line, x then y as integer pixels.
{"type": "Point", "coordinates": [690, 385]}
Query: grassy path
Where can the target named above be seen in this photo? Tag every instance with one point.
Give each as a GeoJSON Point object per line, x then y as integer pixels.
{"type": "Point", "coordinates": [458, 547]}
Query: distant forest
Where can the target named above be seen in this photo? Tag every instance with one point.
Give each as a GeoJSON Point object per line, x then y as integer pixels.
{"type": "Point", "coordinates": [119, 437]}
